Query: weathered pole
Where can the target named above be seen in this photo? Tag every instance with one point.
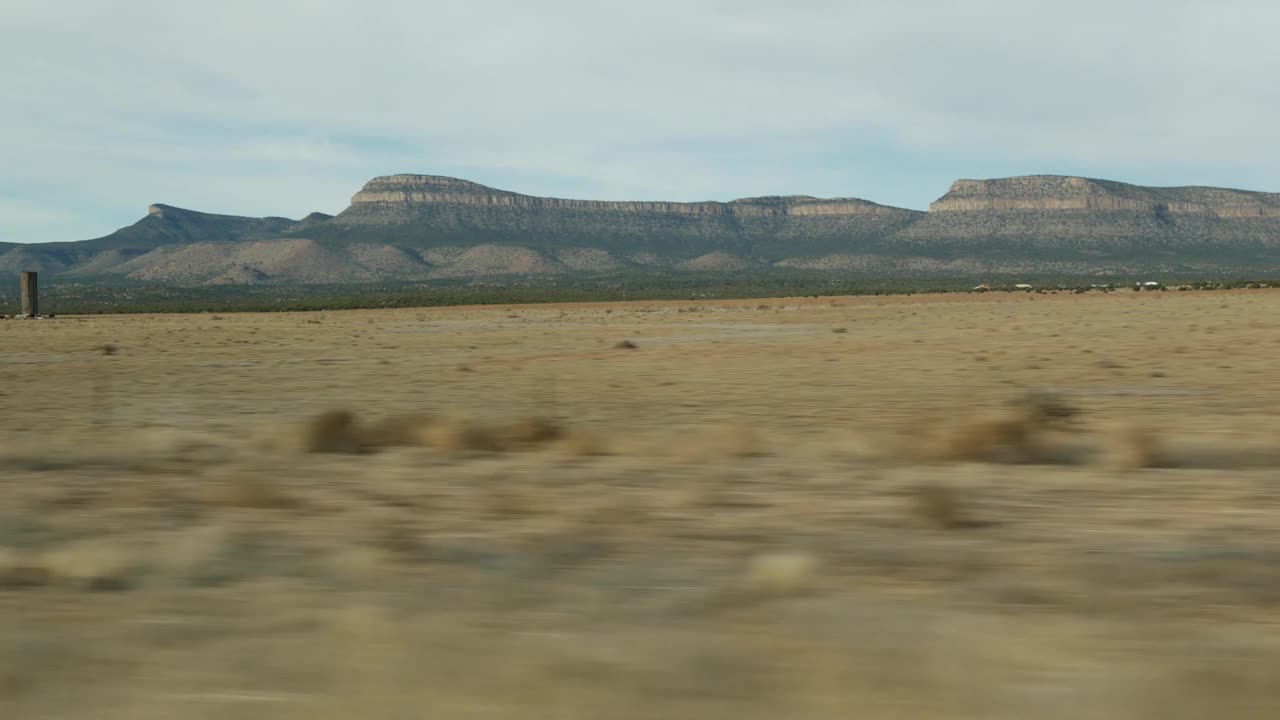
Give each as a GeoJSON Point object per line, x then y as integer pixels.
{"type": "Point", "coordinates": [30, 295]}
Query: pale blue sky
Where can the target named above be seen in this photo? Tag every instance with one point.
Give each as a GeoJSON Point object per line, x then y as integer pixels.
{"type": "Point", "coordinates": [284, 107]}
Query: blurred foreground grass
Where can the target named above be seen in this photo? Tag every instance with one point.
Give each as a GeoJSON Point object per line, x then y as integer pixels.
{"type": "Point", "coordinates": [500, 513]}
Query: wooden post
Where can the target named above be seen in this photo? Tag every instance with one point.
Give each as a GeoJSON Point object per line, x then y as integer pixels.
{"type": "Point", "coordinates": [30, 295]}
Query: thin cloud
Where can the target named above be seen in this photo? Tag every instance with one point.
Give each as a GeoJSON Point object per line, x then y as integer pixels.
{"type": "Point", "coordinates": [287, 107]}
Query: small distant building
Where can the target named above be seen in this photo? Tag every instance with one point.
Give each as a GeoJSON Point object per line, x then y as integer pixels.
{"type": "Point", "coordinates": [1022, 286]}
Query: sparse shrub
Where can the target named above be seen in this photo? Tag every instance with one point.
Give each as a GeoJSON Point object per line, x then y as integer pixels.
{"type": "Point", "coordinates": [335, 431]}
{"type": "Point", "coordinates": [626, 345]}
{"type": "Point", "coordinates": [840, 330]}
{"type": "Point", "coordinates": [1044, 407]}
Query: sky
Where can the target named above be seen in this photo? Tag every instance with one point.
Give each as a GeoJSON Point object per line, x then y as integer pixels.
{"type": "Point", "coordinates": [284, 107]}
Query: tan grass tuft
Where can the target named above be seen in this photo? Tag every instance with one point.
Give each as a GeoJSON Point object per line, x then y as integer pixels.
{"type": "Point", "coordinates": [397, 430]}
{"type": "Point", "coordinates": [993, 439]}
{"type": "Point", "coordinates": [734, 440]}
{"type": "Point", "coordinates": [459, 436]}
{"type": "Point", "coordinates": [921, 439]}
{"type": "Point", "coordinates": [93, 565]}
{"type": "Point", "coordinates": [973, 439]}
{"type": "Point", "coordinates": [1017, 433]}
{"type": "Point", "coordinates": [583, 443]}
{"type": "Point", "coordinates": [781, 573]}
{"type": "Point", "coordinates": [532, 431]}
{"type": "Point", "coordinates": [739, 441]}
{"type": "Point", "coordinates": [244, 488]}
{"type": "Point", "coordinates": [1129, 447]}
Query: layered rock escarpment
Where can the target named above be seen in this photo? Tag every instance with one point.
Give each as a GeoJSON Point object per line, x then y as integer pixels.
{"type": "Point", "coordinates": [1052, 192]}
{"type": "Point", "coordinates": [1074, 219]}
{"type": "Point", "coordinates": [431, 211]}
{"type": "Point", "coordinates": [380, 198]}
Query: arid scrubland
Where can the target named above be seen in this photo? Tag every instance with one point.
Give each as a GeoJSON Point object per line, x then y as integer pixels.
{"type": "Point", "coordinates": [978, 506]}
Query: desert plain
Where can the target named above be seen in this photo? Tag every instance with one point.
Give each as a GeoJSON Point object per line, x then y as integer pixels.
{"type": "Point", "coordinates": [937, 506]}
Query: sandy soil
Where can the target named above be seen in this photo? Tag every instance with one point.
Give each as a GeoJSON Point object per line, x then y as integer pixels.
{"type": "Point", "coordinates": [748, 516]}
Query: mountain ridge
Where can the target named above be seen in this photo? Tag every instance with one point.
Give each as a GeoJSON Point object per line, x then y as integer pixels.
{"type": "Point", "coordinates": [408, 227]}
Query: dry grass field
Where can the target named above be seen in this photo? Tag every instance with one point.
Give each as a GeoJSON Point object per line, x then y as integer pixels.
{"type": "Point", "coordinates": [966, 506]}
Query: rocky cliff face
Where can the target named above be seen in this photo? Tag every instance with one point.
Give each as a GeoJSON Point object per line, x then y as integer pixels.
{"type": "Point", "coordinates": [1051, 192]}
{"type": "Point", "coordinates": [384, 199]}
{"type": "Point", "coordinates": [1074, 219]}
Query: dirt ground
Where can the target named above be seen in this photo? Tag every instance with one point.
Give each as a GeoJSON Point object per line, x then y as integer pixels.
{"type": "Point", "coordinates": [791, 508]}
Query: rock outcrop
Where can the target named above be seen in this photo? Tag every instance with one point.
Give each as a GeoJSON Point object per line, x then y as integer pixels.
{"type": "Point", "coordinates": [386, 199]}
{"type": "Point", "coordinates": [1053, 192]}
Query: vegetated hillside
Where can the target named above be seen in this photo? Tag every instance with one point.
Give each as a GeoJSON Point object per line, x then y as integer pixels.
{"type": "Point", "coordinates": [423, 228]}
